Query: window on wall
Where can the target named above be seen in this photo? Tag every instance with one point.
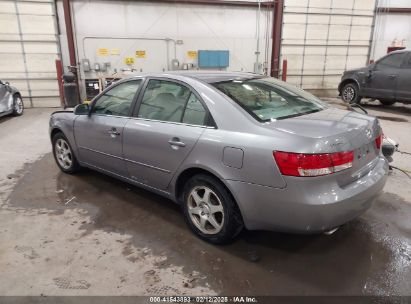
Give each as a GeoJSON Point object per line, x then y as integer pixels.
{"type": "Point", "coordinates": [170, 101]}
{"type": "Point", "coordinates": [118, 100]}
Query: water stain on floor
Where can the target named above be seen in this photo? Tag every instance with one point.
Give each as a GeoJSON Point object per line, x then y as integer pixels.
{"type": "Point", "coordinates": [370, 255]}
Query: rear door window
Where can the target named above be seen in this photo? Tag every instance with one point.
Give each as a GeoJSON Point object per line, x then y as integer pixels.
{"type": "Point", "coordinates": [407, 64]}
{"type": "Point", "coordinates": [170, 101]}
{"type": "Point", "coordinates": [163, 100]}
{"type": "Point", "coordinates": [194, 113]}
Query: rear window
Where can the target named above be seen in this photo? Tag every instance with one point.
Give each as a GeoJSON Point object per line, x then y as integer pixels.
{"type": "Point", "coordinates": [268, 99]}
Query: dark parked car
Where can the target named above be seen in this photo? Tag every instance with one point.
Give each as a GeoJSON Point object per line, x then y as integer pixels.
{"type": "Point", "coordinates": [388, 80]}
{"type": "Point", "coordinates": [10, 100]}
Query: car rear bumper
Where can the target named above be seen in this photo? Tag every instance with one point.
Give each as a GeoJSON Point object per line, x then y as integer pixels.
{"type": "Point", "coordinates": [308, 205]}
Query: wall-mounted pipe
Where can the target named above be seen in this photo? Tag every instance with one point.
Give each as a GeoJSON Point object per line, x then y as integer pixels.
{"type": "Point", "coordinates": [69, 32]}
{"type": "Point", "coordinates": [257, 52]}
{"type": "Point", "coordinates": [59, 70]}
{"type": "Point", "coordinates": [284, 70]}
{"type": "Point", "coordinates": [212, 2]}
{"type": "Point", "coordinates": [277, 29]}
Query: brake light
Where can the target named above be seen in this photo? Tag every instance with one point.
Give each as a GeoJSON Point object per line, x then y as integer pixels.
{"type": "Point", "coordinates": [299, 164]}
{"type": "Point", "coordinates": [378, 141]}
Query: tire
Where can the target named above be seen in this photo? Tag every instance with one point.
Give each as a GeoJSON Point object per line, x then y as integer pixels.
{"type": "Point", "coordinates": [350, 93]}
{"type": "Point", "coordinates": [387, 102]}
{"type": "Point", "coordinates": [18, 105]}
{"type": "Point", "coordinates": [216, 220]}
{"type": "Point", "coordinates": [63, 154]}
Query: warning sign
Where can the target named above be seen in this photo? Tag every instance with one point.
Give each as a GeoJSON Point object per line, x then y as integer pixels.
{"type": "Point", "coordinates": [102, 52]}
{"type": "Point", "coordinates": [141, 54]}
{"type": "Point", "coordinates": [192, 54]}
{"type": "Point", "coordinates": [129, 60]}
{"type": "Point", "coordinates": [115, 51]}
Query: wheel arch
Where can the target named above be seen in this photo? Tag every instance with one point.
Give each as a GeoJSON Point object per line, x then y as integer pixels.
{"type": "Point", "coordinates": [347, 81]}
{"type": "Point", "coordinates": [54, 131]}
{"type": "Point", "coordinates": [17, 94]}
{"type": "Point", "coordinates": [188, 173]}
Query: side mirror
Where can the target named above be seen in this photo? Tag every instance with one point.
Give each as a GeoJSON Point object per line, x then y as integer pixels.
{"type": "Point", "coordinates": [82, 109]}
{"type": "Point", "coordinates": [7, 83]}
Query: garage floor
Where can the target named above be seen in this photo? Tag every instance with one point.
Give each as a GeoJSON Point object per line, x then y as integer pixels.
{"type": "Point", "coordinates": [90, 234]}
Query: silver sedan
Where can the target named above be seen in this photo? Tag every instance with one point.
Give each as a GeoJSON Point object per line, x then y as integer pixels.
{"type": "Point", "coordinates": [234, 150]}
{"type": "Point", "coordinates": [10, 100]}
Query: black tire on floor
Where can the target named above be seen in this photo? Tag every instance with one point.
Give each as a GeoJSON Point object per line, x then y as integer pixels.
{"type": "Point", "coordinates": [71, 166]}
{"type": "Point", "coordinates": [386, 102]}
{"type": "Point", "coordinates": [18, 105]}
{"type": "Point", "coordinates": [229, 217]}
{"type": "Point", "coordinates": [351, 93]}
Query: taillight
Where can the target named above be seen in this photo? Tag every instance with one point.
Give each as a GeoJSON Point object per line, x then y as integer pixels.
{"type": "Point", "coordinates": [300, 164]}
{"type": "Point", "coordinates": [378, 141]}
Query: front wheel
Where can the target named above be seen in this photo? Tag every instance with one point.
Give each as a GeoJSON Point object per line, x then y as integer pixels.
{"type": "Point", "coordinates": [210, 211]}
{"type": "Point", "coordinates": [63, 154]}
{"type": "Point", "coordinates": [18, 105]}
{"type": "Point", "coordinates": [351, 93]}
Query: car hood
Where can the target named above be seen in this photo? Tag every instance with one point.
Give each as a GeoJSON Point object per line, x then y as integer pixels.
{"type": "Point", "coordinates": [359, 70]}
{"type": "Point", "coordinates": [337, 127]}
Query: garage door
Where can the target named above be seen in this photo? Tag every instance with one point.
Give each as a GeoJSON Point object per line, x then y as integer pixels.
{"type": "Point", "coordinates": [29, 46]}
{"type": "Point", "coordinates": [323, 38]}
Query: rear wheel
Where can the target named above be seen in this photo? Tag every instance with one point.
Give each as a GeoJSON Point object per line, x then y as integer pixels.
{"type": "Point", "coordinates": [386, 102]}
{"type": "Point", "coordinates": [63, 154]}
{"type": "Point", "coordinates": [18, 105]}
{"type": "Point", "coordinates": [210, 211]}
{"type": "Point", "coordinates": [351, 93]}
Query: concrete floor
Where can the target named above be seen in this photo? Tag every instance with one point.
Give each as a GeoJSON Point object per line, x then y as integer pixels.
{"type": "Point", "coordinates": [90, 234]}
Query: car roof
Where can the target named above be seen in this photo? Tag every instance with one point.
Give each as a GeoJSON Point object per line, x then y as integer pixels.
{"type": "Point", "coordinates": [207, 76]}
{"type": "Point", "coordinates": [399, 51]}
{"type": "Point", "coordinates": [217, 76]}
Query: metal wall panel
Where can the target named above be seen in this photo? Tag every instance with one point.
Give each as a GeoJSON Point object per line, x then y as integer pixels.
{"type": "Point", "coordinates": [322, 38]}
{"type": "Point", "coordinates": [29, 46]}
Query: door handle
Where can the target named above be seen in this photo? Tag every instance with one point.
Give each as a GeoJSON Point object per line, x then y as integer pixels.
{"type": "Point", "coordinates": [113, 132]}
{"type": "Point", "coordinates": [175, 141]}
{"type": "Point", "coordinates": [392, 76]}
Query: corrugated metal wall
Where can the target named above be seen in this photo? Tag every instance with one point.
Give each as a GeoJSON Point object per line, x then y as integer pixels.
{"type": "Point", "coordinates": [29, 46]}
{"type": "Point", "coordinates": [322, 38]}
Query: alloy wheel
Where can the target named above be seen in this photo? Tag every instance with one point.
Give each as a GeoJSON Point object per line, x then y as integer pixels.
{"type": "Point", "coordinates": [206, 210]}
{"type": "Point", "coordinates": [18, 105]}
{"type": "Point", "coordinates": [63, 153]}
{"type": "Point", "coordinates": [348, 94]}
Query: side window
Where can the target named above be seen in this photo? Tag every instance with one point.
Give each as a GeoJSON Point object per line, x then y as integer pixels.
{"type": "Point", "coordinates": [407, 64]}
{"type": "Point", "coordinates": [163, 100]}
{"type": "Point", "coordinates": [194, 113]}
{"type": "Point", "coordinates": [117, 101]}
{"type": "Point", "coordinates": [391, 61]}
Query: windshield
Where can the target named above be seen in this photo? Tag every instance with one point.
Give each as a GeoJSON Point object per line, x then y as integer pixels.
{"type": "Point", "coordinates": [268, 99]}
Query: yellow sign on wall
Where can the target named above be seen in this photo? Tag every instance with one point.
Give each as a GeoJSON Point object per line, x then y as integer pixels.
{"type": "Point", "coordinates": [115, 51]}
{"type": "Point", "coordinates": [192, 54]}
{"type": "Point", "coordinates": [141, 54]}
{"type": "Point", "coordinates": [129, 60]}
{"type": "Point", "coordinates": [102, 52]}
